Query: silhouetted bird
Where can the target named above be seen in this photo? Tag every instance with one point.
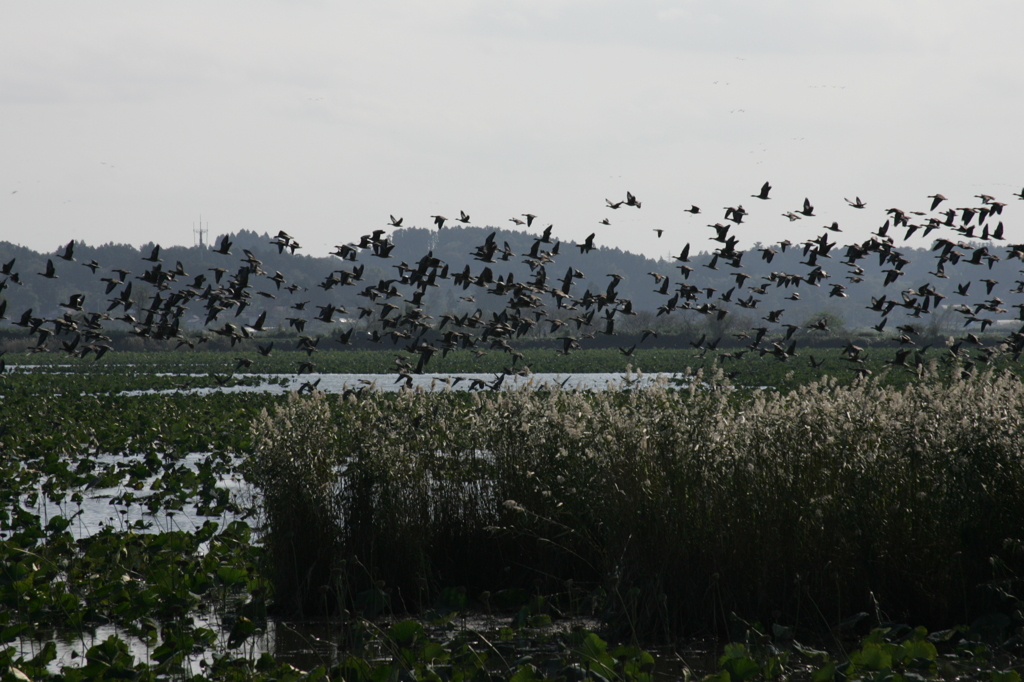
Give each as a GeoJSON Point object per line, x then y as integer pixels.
{"type": "Point", "coordinates": [51, 272]}
{"type": "Point", "coordinates": [69, 250]}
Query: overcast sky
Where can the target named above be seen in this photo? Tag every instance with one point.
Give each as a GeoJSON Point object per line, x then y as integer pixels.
{"type": "Point", "coordinates": [126, 121]}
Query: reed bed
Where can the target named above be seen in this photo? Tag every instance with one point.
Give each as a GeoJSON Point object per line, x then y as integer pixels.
{"type": "Point", "coordinates": [663, 510]}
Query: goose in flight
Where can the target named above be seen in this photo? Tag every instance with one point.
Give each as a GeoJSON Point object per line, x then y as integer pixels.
{"type": "Point", "coordinates": [69, 250]}
{"type": "Point", "coordinates": [74, 303]}
{"type": "Point", "coordinates": [154, 256]}
{"type": "Point", "coordinates": [588, 244]}
{"type": "Point", "coordinates": [51, 272]}
{"type": "Point", "coordinates": [765, 188]}
{"type": "Point", "coordinates": [735, 213]}
{"type": "Point", "coordinates": [225, 246]}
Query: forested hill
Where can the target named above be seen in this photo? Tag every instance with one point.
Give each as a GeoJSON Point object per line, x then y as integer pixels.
{"type": "Point", "coordinates": [455, 247]}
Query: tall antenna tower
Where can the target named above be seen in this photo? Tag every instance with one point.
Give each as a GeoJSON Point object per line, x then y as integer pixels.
{"type": "Point", "coordinates": [200, 232]}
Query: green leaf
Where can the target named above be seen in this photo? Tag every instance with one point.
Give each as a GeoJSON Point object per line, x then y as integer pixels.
{"type": "Point", "coordinates": [382, 673]}
{"type": "Point", "coordinates": [432, 652]}
{"type": "Point", "coordinates": [9, 634]}
{"type": "Point", "coordinates": [920, 648]}
{"type": "Point", "coordinates": [825, 673]}
{"type": "Point", "coordinates": [1004, 676]}
{"type": "Point", "coordinates": [230, 575]}
{"type": "Point", "coordinates": [526, 673]}
{"type": "Point", "coordinates": [240, 631]}
{"type": "Point", "coordinates": [873, 656]}
{"type": "Point", "coordinates": [741, 668]}
{"type": "Point", "coordinates": [594, 651]}
{"type": "Point", "coordinates": [406, 632]}
{"type": "Point", "coordinates": [732, 650]}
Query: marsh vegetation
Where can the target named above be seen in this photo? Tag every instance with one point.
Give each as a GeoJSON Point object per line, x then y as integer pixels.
{"type": "Point", "coordinates": [664, 509]}
{"type": "Point", "coordinates": [535, 533]}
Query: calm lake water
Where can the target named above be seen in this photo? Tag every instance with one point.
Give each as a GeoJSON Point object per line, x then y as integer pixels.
{"type": "Point", "coordinates": [339, 383]}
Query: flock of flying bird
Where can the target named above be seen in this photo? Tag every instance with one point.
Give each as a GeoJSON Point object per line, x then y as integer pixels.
{"type": "Point", "coordinates": [544, 302]}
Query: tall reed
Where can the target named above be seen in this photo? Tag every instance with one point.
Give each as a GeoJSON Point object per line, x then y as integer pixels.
{"type": "Point", "coordinates": [296, 472]}
{"type": "Point", "coordinates": [676, 507]}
